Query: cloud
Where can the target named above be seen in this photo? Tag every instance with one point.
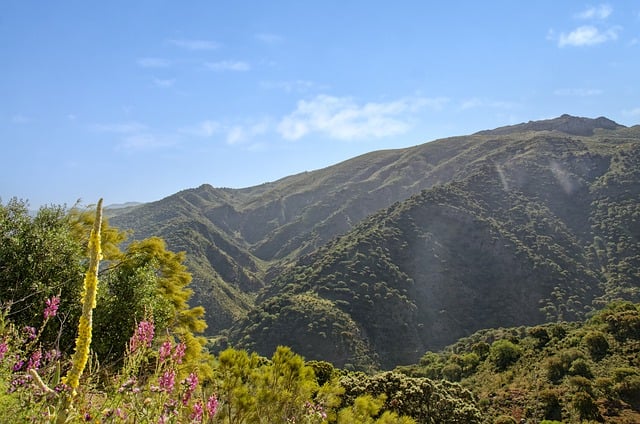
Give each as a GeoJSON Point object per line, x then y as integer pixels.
{"type": "Point", "coordinates": [153, 62]}
{"type": "Point", "coordinates": [269, 38]}
{"type": "Point", "coordinates": [135, 136]}
{"type": "Point", "coordinates": [228, 65]}
{"type": "Point", "coordinates": [342, 118]}
{"type": "Point", "coordinates": [595, 12]}
{"type": "Point", "coordinates": [635, 112]}
{"type": "Point", "coordinates": [195, 44]}
{"type": "Point", "coordinates": [205, 128]}
{"type": "Point", "coordinates": [242, 133]}
{"type": "Point", "coordinates": [164, 83]}
{"type": "Point", "coordinates": [578, 92]}
{"type": "Point", "coordinates": [587, 35]}
{"type": "Point", "coordinates": [120, 128]}
{"type": "Point", "coordinates": [484, 103]}
{"type": "Point", "coordinates": [20, 119]}
{"type": "Point", "coordinates": [295, 86]}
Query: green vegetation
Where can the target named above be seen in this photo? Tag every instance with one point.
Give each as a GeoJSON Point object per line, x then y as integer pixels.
{"type": "Point", "coordinates": [521, 246]}
{"type": "Point", "coordinates": [160, 373]}
{"type": "Point", "coordinates": [584, 371]}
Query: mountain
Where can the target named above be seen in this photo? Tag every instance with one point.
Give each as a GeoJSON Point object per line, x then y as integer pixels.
{"type": "Point", "coordinates": [377, 259]}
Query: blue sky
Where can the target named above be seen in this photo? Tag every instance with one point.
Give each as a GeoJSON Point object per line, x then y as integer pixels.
{"type": "Point", "coordinates": [136, 100]}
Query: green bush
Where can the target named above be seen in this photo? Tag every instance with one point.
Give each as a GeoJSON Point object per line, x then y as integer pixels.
{"type": "Point", "coordinates": [580, 367]}
{"type": "Point", "coordinates": [504, 419]}
{"type": "Point", "coordinates": [541, 336]}
{"type": "Point", "coordinates": [585, 406]}
{"type": "Point", "coordinates": [503, 353]}
{"type": "Point", "coordinates": [452, 372]}
{"type": "Point", "coordinates": [597, 344]}
{"type": "Point", "coordinates": [551, 406]}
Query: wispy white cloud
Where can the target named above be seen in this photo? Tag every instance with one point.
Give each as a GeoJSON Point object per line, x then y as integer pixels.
{"type": "Point", "coordinates": [134, 136]}
{"type": "Point", "coordinates": [153, 62]}
{"type": "Point", "coordinates": [587, 35]}
{"type": "Point", "coordinates": [164, 83]}
{"type": "Point", "coordinates": [228, 65]}
{"type": "Point", "coordinates": [635, 112]}
{"type": "Point", "coordinates": [344, 119]}
{"type": "Point", "coordinates": [269, 38]}
{"type": "Point", "coordinates": [294, 86]}
{"type": "Point", "coordinates": [602, 11]}
{"type": "Point", "coordinates": [205, 128]}
{"type": "Point", "coordinates": [476, 102]}
{"type": "Point", "coordinates": [20, 119]}
{"type": "Point", "coordinates": [578, 92]}
{"type": "Point", "coordinates": [242, 133]}
{"type": "Point", "coordinates": [195, 44]}
{"type": "Point", "coordinates": [120, 128]}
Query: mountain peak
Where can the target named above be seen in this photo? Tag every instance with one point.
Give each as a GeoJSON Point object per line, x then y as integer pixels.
{"type": "Point", "coordinates": [568, 124]}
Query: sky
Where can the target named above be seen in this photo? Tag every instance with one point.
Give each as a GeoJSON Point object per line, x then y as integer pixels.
{"type": "Point", "coordinates": [137, 100]}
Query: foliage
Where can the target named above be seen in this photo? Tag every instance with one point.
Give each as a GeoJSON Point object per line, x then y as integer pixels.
{"type": "Point", "coordinates": [504, 353]}
{"type": "Point", "coordinates": [584, 372]}
{"type": "Point", "coordinates": [45, 256]}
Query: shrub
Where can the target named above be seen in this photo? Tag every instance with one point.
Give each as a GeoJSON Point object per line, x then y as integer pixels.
{"type": "Point", "coordinates": [452, 372]}
{"type": "Point", "coordinates": [585, 406]}
{"type": "Point", "coordinates": [597, 344]}
{"type": "Point", "coordinates": [504, 419]}
{"type": "Point", "coordinates": [580, 367]}
{"type": "Point", "coordinates": [554, 369]}
{"type": "Point", "coordinates": [503, 353]}
{"type": "Point", "coordinates": [551, 407]}
{"type": "Point", "coordinates": [541, 336]}
{"type": "Point", "coordinates": [481, 349]}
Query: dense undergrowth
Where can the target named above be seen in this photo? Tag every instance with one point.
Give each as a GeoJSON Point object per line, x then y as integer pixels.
{"type": "Point", "coordinates": [568, 372]}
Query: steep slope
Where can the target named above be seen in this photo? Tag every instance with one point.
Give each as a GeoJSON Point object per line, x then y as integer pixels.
{"type": "Point", "coordinates": [510, 244]}
{"type": "Point", "coordinates": [238, 240]}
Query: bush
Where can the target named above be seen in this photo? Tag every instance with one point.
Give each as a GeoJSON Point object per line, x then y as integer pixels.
{"type": "Point", "coordinates": [503, 353]}
{"type": "Point", "coordinates": [551, 407]}
{"type": "Point", "coordinates": [580, 367]}
{"type": "Point", "coordinates": [541, 336]}
{"type": "Point", "coordinates": [504, 419]}
{"type": "Point", "coordinates": [452, 372]}
{"type": "Point", "coordinates": [597, 344]}
{"type": "Point", "coordinates": [585, 406]}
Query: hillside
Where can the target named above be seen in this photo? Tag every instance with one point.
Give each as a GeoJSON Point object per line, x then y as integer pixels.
{"type": "Point", "coordinates": [512, 226]}
{"type": "Point", "coordinates": [566, 372]}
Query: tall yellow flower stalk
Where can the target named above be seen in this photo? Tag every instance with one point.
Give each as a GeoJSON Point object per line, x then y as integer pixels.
{"type": "Point", "coordinates": [83, 341]}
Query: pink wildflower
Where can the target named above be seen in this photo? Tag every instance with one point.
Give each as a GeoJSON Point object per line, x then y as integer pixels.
{"type": "Point", "coordinates": [17, 366]}
{"type": "Point", "coordinates": [143, 336]}
{"type": "Point", "coordinates": [51, 307]}
{"type": "Point", "coordinates": [34, 360]}
{"type": "Point", "coordinates": [167, 380]}
{"type": "Point", "coordinates": [212, 405]}
{"type": "Point", "coordinates": [30, 332]}
{"type": "Point", "coordinates": [3, 350]}
{"type": "Point", "coordinates": [51, 355]}
{"type": "Point", "coordinates": [165, 351]}
{"type": "Point", "coordinates": [197, 413]}
{"type": "Point", "coordinates": [191, 382]}
{"type": "Point", "coordinates": [179, 352]}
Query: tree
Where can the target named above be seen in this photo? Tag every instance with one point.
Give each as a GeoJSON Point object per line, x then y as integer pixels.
{"type": "Point", "coordinates": [46, 255]}
{"type": "Point", "coordinates": [40, 258]}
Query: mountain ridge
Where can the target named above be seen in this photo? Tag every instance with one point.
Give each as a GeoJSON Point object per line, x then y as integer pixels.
{"type": "Point", "coordinates": [252, 251]}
